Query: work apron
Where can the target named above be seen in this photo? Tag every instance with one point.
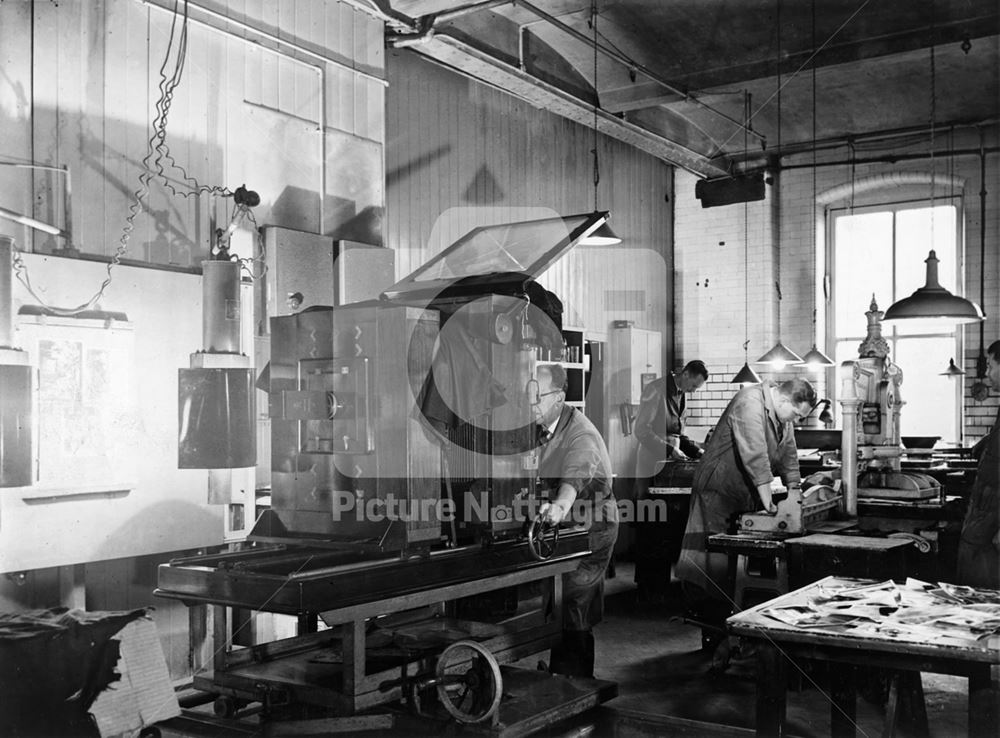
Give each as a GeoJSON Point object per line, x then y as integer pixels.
{"type": "Point", "coordinates": [583, 588]}
{"type": "Point", "coordinates": [710, 513]}
{"type": "Point", "coordinates": [978, 557]}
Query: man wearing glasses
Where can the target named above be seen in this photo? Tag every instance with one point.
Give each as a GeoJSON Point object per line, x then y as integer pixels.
{"type": "Point", "coordinates": [753, 442]}
{"type": "Point", "coordinates": [575, 467]}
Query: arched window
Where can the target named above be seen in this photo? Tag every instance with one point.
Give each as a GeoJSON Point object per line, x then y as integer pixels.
{"type": "Point", "coordinates": [879, 249]}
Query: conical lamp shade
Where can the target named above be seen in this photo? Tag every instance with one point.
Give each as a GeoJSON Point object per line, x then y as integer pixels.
{"type": "Point", "coordinates": [746, 375]}
{"type": "Point", "coordinates": [952, 370]}
{"type": "Point", "coordinates": [933, 303]}
{"type": "Point", "coordinates": [603, 236]}
{"type": "Point", "coordinates": [816, 358]}
{"type": "Point", "coordinates": [780, 357]}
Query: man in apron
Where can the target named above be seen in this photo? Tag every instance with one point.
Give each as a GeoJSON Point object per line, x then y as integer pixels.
{"type": "Point", "coordinates": [979, 547]}
{"type": "Point", "coordinates": [575, 466]}
{"type": "Point", "coordinates": [753, 442]}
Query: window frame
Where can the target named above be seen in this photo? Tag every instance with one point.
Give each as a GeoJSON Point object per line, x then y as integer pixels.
{"type": "Point", "coordinates": [890, 332]}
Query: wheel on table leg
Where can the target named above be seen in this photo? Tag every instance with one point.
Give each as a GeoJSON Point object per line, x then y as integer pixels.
{"type": "Point", "coordinates": [469, 685]}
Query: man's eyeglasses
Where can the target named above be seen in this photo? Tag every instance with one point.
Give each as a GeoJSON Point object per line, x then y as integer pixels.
{"type": "Point", "coordinates": [801, 414]}
{"type": "Point", "coordinates": [534, 395]}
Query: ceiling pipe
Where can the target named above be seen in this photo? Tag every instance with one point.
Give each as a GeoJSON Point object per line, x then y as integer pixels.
{"type": "Point", "coordinates": [888, 159]}
{"type": "Point", "coordinates": [836, 142]}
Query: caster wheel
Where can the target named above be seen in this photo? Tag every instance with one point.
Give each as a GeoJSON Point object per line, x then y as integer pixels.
{"type": "Point", "coordinates": [225, 707]}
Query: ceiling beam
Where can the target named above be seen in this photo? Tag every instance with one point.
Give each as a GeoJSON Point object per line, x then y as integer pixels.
{"type": "Point", "coordinates": [487, 69]}
{"type": "Point", "coordinates": [647, 93]}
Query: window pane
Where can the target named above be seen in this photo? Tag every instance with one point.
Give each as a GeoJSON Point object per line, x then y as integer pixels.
{"type": "Point", "coordinates": [863, 266]}
{"type": "Point", "coordinates": [914, 230]}
{"type": "Point", "coordinates": [930, 408]}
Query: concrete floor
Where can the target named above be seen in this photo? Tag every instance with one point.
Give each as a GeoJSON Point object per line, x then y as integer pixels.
{"type": "Point", "coordinates": [665, 687]}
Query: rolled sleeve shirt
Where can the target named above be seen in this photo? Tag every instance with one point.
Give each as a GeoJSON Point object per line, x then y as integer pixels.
{"type": "Point", "coordinates": [750, 446]}
{"type": "Point", "coordinates": [576, 455]}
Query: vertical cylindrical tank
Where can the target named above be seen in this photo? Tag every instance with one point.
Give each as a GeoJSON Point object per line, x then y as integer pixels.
{"type": "Point", "coordinates": [16, 380]}
{"type": "Point", "coordinates": [6, 292]}
{"type": "Point", "coordinates": [221, 307]}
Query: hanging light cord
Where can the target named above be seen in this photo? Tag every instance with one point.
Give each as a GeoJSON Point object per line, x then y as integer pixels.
{"type": "Point", "coordinates": [746, 239]}
{"type": "Point", "coordinates": [933, 117]}
{"type": "Point", "coordinates": [777, 173]}
{"type": "Point", "coordinates": [981, 361]}
{"type": "Point", "coordinates": [597, 166]}
{"type": "Point", "coordinates": [815, 248]}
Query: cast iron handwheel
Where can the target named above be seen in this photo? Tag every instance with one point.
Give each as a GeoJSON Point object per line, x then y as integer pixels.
{"type": "Point", "coordinates": [542, 538]}
{"type": "Point", "coordinates": [468, 682]}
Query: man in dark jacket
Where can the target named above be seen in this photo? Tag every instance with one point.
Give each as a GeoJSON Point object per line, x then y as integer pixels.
{"type": "Point", "coordinates": [575, 466]}
{"type": "Point", "coordinates": [659, 428]}
{"type": "Point", "coordinates": [979, 548]}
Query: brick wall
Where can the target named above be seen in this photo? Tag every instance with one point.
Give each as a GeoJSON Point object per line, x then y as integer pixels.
{"type": "Point", "coordinates": [709, 273]}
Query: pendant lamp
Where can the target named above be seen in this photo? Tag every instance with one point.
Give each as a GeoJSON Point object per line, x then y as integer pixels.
{"type": "Point", "coordinates": [603, 236]}
{"type": "Point", "coordinates": [779, 356]}
{"type": "Point", "coordinates": [952, 370]}
{"type": "Point", "coordinates": [746, 375]}
{"type": "Point", "coordinates": [814, 358]}
{"type": "Point", "coordinates": [932, 304]}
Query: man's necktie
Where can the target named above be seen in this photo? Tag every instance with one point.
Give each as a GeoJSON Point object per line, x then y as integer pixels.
{"type": "Point", "coordinates": [543, 435]}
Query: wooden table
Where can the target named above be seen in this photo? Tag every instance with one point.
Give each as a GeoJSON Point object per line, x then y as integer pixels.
{"type": "Point", "coordinates": [777, 642]}
{"type": "Point", "coordinates": [804, 559]}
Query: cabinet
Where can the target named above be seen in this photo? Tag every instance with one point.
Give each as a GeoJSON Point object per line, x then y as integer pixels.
{"type": "Point", "coordinates": [575, 359]}
{"type": "Point", "coordinates": [635, 356]}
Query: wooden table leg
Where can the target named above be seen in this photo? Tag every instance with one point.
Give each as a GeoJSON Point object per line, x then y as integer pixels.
{"type": "Point", "coordinates": [353, 649]}
{"type": "Point", "coordinates": [891, 708]}
{"type": "Point", "coordinates": [912, 704]}
{"type": "Point", "coordinates": [732, 565]}
{"type": "Point", "coordinates": [771, 675]}
{"type": "Point", "coordinates": [983, 708]}
{"type": "Point", "coordinates": [843, 705]}
{"type": "Point", "coordinates": [220, 637]}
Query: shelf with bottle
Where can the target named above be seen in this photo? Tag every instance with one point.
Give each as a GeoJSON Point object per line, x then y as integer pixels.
{"type": "Point", "coordinates": [572, 353]}
{"type": "Point", "coordinates": [574, 358]}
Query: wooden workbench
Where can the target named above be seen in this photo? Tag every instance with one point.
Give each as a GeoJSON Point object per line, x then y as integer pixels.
{"type": "Point", "coordinates": [778, 642]}
{"type": "Point", "coordinates": [807, 558]}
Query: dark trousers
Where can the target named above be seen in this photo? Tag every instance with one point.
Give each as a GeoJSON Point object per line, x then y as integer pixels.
{"type": "Point", "coordinates": [574, 656]}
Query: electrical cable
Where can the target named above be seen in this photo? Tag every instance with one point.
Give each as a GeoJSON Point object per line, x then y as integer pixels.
{"type": "Point", "coordinates": [802, 66]}
{"type": "Point", "coordinates": [157, 151]}
{"type": "Point", "coordinates": [597, 167]}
